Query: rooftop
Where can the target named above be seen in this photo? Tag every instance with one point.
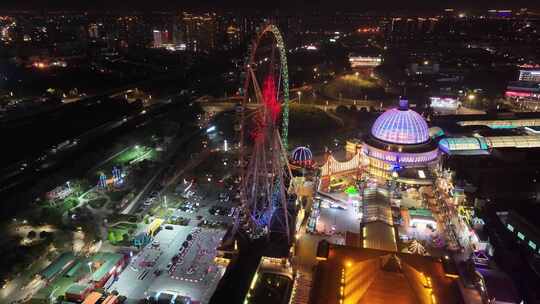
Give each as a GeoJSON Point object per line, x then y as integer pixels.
{"type": "Point", "coordinates": [420, 212]}
{"type": "Point", "coordinates": [106, 262]}
{"type": "Point", "coordinates": [77, 289]}
{"type": "Point", "coordinates": [499, 286]}
{"type": "Point", "coordinates": [377, 276]}
{"type": "Point", "coordinates": [401, 126]}
{"type": "Point", "coordinates": [379, 235]}
{"type": "Point", "coordinates": [60, 264]}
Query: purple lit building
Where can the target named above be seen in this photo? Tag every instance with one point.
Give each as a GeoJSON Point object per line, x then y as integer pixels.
{"type": "Point", "coordinates": [399, 147]}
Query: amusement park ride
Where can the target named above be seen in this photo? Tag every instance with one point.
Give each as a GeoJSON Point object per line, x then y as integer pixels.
{"type": "Point", "coordinates": [265, 173]}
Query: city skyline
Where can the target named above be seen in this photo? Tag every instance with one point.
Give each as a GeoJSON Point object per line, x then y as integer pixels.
{"type": "Point", "coordinates": [301, 152]}
{"type": "Point", "coordinates": [295, 5]}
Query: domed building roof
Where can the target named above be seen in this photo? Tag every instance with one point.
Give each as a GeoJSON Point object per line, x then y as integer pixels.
{"type": "Point", "coordinates": [401, 126]}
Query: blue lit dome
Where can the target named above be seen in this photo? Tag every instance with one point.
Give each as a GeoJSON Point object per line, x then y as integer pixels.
{"type": "Point", "coordinates": [401, 126]}
{"type": "Point", "coordinates": [302, 156]}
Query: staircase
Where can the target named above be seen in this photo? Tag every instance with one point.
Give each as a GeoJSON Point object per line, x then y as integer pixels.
{"type": "Point", "coordinates": [301, 288]}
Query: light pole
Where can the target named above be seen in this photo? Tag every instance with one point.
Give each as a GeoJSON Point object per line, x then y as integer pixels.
{"type": "Point", "coordinates": [51, 298]}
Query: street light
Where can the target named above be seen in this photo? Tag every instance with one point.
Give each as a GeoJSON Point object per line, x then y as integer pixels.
{"type": "Point", "coordinates": [299, 96]}
{"type": "Point", "coordinates": [90, 266]}
{"type": "Point", "coordinates": [51, 295]}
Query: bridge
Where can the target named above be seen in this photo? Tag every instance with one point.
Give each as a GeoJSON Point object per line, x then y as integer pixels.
{"type": "Point", "coordinates": [227, 104]}
{"type": "Point", "coordinates": [333, 168]}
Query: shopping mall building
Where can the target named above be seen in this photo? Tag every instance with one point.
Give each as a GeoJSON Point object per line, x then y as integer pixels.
{"type": "Point", "coordinates": [402, 148]}
{"type": "Point", "coordinates": [399, 147]}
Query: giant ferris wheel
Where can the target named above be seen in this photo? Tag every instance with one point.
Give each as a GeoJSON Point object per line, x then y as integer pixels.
{"type": "Point", "coordinates": [263, 137]}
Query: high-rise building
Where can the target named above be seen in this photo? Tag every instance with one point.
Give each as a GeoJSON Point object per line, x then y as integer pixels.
{"type": "Point", "coordinates": [130, 31]}
{"type": "Point", "coordinates": [199, 31]}
{"type": "Point", "coordinates": [157, 39]}
{"type": "Point", "coordinates": [161, 38]}
{"type": "Point", "coordinates": [177, 32]}
{"type": "Point", "coordinates": [165, 36]}
{"type": "Point", "coordinates": [532, 75]}
{"type": "Point", "coordinates": [526, 91]}
{"type": "Point", "coordinates": [233, 36]}
{"type": "Point", "coordinates": [93, 30]}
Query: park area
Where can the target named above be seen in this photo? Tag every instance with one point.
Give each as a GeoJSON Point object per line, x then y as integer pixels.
{"type": "Point", "coordinates": [121, 232]}
{"type": "Point", "coordinates": [135, 154]}
{"type": "Point", "coordinates": [353, 87]}
{"type": "Point", "coordinates": [127, 158]}
{"type": "Point", "coordinates": [311, 126]}
{"type": "Point", "coordinates": [108, 186]}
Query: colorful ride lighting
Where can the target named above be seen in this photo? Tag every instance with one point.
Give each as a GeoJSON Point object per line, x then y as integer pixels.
{"type": "Point", "coordinates": [401, 126]}
{"type": "Point", "coordinates": [302, 156]}
{"type": "Point", "coordinates": [269, 98]}
{"type": "Point", "coordinates": [369, 30]}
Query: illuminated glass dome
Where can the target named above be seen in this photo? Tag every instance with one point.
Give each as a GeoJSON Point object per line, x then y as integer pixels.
{"type": "Point", "coordinates": [401, 126]}
{"type": "Point", "coordinates": [302, 156]}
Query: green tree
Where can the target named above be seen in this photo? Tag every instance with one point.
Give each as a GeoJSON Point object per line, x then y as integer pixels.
{"type": "Point", "coordinates": [32, 234]}
{"type": "Point", "coordinates": [70, 202]}
{"type": "Point", "coordinates": [111, 237]}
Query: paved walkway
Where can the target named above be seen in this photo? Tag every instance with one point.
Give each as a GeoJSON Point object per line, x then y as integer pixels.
{"type": "Point", "coordinates": [301, 288]}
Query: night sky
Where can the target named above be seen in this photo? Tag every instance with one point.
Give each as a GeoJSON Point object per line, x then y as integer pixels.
{"type": "Point", "coordinates": [267, 4]}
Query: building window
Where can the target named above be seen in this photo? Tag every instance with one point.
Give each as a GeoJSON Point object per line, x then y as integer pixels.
{"type": "Point", "coordinates": [521, 235]}
{"type": "Point", "coordinates": [510, 227]}
{"type": "Point", "coordinates": [532, 245]}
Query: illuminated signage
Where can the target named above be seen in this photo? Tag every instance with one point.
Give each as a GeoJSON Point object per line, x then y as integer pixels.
{"type": "Point", "coordinates": [529, 75]}
{"type": "Point", "coordinates": [364, 61]}
{"type": "Point", "coordinates": [444, 102]}
{"type": "Point", "coordinates": [517, 94]}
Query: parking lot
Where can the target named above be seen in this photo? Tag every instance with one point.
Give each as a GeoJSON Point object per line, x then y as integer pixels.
{"type": "Point", "coordinates": [179, 262]}
{"type": "Point", "coordinates": [208, 204]}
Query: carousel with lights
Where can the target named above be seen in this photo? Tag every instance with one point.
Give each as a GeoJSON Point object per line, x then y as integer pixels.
{"type": "Point", "coordinates": [301, 157]}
